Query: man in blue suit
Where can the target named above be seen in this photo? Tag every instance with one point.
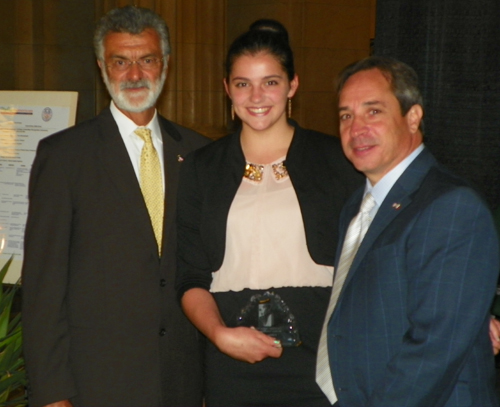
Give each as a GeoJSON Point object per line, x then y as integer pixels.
{"type": "Point", "coordinates": [410, 326]}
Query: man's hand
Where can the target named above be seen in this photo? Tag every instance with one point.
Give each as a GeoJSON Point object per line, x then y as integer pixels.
{"type": "Point", "coordinates": [495, 335]}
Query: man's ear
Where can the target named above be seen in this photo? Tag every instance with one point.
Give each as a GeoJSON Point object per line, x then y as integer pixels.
{"type": "Point", "coordinates": [414, 117]}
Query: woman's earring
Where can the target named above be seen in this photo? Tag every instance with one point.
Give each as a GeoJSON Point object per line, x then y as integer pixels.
{"type": "Point", "coordinates": [289, 108]}
{"type": "Point", "coordinates": [232, 112]}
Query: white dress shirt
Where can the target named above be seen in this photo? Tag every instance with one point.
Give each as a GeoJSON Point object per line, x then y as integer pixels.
{"type": "Point", "coordinates": [382, 188]}
{"type": "Point", "coordinates": [134, 143]}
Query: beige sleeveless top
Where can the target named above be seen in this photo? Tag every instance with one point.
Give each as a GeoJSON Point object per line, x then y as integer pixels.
{"type": "Point", "coordinates": [265, 238]}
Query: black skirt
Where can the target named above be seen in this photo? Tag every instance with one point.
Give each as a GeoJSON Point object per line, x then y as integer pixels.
{"type": "Point", "coordinates": [287, 381]}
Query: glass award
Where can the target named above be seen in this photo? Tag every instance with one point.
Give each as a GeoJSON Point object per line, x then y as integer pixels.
{"type": "Point", "coordinates": [269, 314]}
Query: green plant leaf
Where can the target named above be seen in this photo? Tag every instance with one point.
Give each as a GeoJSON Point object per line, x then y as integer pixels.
{"type": "Point", "coordinates": [9, 356]}
{"type": "Point", "coordinates": [3, 272]}
{"type": "Point", "coordinates": [12, 374]}
{"type": "Point", "coordinates": [5, 268]}
{"type": "Point", "coordinates": [10, 382]}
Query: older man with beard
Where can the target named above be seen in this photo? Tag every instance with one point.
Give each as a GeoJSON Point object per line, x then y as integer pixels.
{"type": "Point", "coordinates": [101, 322]}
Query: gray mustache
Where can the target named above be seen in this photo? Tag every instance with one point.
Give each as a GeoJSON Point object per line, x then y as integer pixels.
{"type": "Point", "coordinates": [137, 84]}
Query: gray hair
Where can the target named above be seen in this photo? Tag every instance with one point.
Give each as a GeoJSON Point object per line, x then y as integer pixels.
{"type": "Point", "coordinates": [131, 20]}
{"type": "Point", "coordinates": [402, 78]}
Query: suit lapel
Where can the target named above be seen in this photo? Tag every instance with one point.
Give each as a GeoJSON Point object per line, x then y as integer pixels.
{"type": "Point", "coordinates": [395, 203]}
{"type": "Point", "coordinates": [115, 159]}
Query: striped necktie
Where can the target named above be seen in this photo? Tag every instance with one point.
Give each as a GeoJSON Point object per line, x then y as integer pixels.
{"type": "Point", "coordinates": [354, 236]}
{"type": "Point", "coordinates": [151, 183]}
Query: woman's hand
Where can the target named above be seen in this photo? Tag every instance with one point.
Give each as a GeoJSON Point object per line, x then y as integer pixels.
{"type": "Point", "coordinates": [495, 335]}
{"type": "Point", "coordinates": [246, 344]}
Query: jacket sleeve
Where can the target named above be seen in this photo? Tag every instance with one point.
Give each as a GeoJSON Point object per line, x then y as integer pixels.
{"type": "Point", "coordinates": [45, 280]}
{"type": "Point", "coordinates": [193, 263]}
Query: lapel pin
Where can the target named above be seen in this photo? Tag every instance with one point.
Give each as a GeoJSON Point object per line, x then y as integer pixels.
{"type": "Point", "coordinates": [180, 158]}
{"type": "Point", "coordinates": [396, 205]}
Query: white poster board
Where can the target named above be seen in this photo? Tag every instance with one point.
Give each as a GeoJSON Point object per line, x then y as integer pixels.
{"type": "Point", "coordinates": [25, 118]}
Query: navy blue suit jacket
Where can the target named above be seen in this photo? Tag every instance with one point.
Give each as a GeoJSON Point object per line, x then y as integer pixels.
{"type": "Point", "coordinates": [411, 324]}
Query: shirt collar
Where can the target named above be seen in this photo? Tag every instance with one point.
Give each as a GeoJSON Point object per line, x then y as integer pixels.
{"type": "Point", "coordinates": [126, 126]}
{"type": "Point", "coordinates": [382, 188]}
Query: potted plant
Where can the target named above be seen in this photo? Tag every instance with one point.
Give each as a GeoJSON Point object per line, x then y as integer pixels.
{"type": "Point", "coordinates": [12, 372]}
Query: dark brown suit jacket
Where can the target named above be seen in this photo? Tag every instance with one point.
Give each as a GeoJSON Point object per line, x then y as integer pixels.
{"type": "Point", "coordinates": [101, 324]}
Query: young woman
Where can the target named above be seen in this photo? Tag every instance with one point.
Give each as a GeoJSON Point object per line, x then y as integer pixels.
{"type": "Point", "coordinates": [257, 212]}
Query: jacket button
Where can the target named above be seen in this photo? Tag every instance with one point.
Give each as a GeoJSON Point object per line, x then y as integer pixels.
{"type": "Point", "coordinates": [163, 282]}
{"type": "Point", "coordinates": [163, 332]}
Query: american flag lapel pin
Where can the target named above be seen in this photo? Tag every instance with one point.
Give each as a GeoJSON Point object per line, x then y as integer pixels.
{"type": "Point", "coordinates": [396, 205]}
{"type": "Point", "coordinates": [180, 158]}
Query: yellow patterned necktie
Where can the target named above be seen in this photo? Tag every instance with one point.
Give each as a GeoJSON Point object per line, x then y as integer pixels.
{"type": "Point", "coordinates": [151, 183]}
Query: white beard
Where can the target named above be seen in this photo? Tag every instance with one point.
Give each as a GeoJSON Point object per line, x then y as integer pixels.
{"type": "Point", "coordinates": [128, 104]}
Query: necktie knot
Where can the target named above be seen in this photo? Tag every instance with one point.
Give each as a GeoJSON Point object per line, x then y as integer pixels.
{"type": "Point", "coordinates": [367, 204]}
{"type": "Point", "coordinates": [144, 133]}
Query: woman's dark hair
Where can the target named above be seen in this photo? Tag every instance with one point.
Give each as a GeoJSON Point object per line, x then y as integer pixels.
{"type": "Point", "coordinates": [264, 35]}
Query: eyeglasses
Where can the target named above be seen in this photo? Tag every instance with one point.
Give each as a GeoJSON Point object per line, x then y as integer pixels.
{"type": "Point", "coordinates": [145, 64]}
